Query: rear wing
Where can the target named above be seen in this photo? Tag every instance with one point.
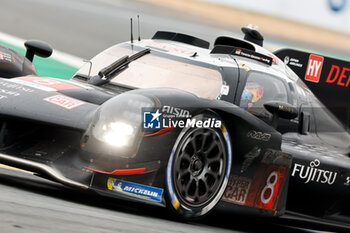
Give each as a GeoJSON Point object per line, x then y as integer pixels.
{"type": "Point", "coordinates": [328, 78]}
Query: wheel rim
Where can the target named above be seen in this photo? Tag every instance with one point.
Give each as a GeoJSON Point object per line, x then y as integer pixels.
{"type": "Point", "coordinates": [199, 167]}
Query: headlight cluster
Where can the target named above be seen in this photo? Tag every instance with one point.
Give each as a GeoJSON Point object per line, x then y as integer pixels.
{"type": "Point", "coordinates": [116, 128]}
{"type": "Point", "coordinates": [118, 134]}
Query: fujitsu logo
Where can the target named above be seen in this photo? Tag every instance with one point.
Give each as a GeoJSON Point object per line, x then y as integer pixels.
{"type": "Point", "coordinates": [314, 174]}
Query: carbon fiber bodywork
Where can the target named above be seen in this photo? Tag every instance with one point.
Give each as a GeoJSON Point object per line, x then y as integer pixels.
{"type": "Point", "coordinates": [52, 127]}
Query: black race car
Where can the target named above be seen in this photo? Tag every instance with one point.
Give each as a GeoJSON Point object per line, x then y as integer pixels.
{"type": "Point", "coordinates": [170, 122]}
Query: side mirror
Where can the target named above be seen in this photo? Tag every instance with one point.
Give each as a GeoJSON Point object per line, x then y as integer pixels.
{"type": "Point", "coordinates": [304, 123]}
{"type": "Point", "coordinates": [39, 48]}
{"type": "Point", "coordinates": [280, 110]}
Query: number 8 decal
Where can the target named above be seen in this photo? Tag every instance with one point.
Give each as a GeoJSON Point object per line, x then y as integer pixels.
{"type": "Point", "coordinates": [270, 185]}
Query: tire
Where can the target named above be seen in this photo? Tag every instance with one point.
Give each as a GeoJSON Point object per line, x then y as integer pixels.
{"type": "Point", "coordinates": [198, 170]}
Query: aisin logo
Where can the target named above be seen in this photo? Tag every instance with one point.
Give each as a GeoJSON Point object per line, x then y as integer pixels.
{"type": "Point", "coordinates": [151, 120]}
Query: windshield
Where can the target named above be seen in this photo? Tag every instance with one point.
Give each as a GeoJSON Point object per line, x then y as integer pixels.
{"type": "Point", "coordinates": [154, 71]}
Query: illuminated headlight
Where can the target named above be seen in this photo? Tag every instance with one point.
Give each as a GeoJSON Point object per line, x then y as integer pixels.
{"type": "Point", "coordinates": [118, 134]}
{"type": "Point", "coordinates": [116, 128]}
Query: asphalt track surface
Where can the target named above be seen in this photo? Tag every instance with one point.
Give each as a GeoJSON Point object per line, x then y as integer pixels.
{"type": "Point", "coordinates": [32, 204]}
{"type": "Point", "coordinates": [83, 28]}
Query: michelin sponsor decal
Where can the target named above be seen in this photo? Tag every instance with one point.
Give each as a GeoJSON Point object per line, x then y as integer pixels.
{"type": "Point", "coordinates": [135, 190]}
{"type": "Point", "coordinates": [171, 117]}
{"type": "Point", "coordinates": [312, 173]}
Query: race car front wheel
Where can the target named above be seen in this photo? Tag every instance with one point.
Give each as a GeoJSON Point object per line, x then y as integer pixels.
{"type": "Point", "coordinates": [198, 170]}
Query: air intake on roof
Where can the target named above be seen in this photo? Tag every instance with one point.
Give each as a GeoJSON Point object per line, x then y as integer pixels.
{"type": "Point", "coordinates": [173, 36]}
{"type": "Point", "coordinates": [229, 41]}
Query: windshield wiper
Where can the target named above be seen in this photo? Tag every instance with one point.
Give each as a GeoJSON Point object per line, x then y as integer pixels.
{"type": "Point", "coordinates": [105, 74]}
{"type": "Point", "coordinates": [108, 70]}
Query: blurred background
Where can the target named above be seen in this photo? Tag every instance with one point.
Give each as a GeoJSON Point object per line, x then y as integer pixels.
{"type": "Point", "coordinates": [85, 27]}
